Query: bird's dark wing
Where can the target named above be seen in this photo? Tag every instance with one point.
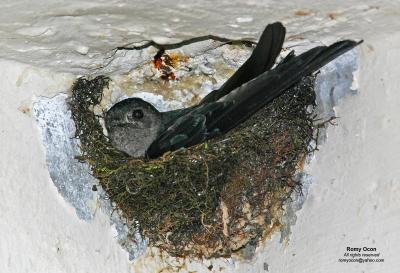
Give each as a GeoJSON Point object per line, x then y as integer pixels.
{"type": "Point", "coordinates": [186, 131]}
{"type": "Point", "coordinates": [168, 118]}
{"type": "Point", "coordinates": [262, 59]}
{"type": "Point", "coordinates": [203, 121]}
{"type": "Point", "coordinates": [251, 96]}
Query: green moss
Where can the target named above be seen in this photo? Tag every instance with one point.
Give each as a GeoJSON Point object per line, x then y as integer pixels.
{"type": "Point", "coordinates": [210, 199]}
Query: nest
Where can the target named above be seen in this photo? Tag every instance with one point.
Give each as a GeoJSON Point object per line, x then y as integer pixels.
{"type": "Point", "coordinates": [212, 199]}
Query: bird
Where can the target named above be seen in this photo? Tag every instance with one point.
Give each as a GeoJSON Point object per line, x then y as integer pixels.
{"type": "Point", "coordinates": [138, 129]}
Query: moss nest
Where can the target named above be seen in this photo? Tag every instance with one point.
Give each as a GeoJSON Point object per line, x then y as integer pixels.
{"type": "Point", "coordinates": [212, 199]}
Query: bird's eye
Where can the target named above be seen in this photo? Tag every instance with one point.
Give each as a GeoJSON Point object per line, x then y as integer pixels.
{"type": "Point", "coordinates": [135, 115]}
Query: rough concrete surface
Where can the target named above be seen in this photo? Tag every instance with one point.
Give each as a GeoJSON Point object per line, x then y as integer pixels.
{"type": "Point", "coordinates": [352, 202]}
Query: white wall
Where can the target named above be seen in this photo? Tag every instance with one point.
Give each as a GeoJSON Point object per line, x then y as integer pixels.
{"type": "Point", "coordinates": [354, 198]}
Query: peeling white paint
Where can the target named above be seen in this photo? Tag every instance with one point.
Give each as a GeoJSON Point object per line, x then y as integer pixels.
{"type": "Point", "coordinates": [44, 35]}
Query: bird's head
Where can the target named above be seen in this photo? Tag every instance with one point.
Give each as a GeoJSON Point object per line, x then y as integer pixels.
{"type": "Point", "coordinates": [132, 125]}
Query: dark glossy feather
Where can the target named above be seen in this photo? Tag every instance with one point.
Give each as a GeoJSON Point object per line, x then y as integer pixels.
{"type": "Point", "coordinates": [262, 59]}
{"type": "Point", "coordinates": [186, 131]}
{"type": "Point", "coordinates": [251, 96]}
{"type": "Point", "coordinates": [221, 112]}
